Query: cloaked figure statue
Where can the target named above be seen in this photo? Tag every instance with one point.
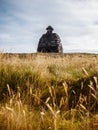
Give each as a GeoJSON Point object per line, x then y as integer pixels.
{"type": "Point", "coordinates": [50, 42]}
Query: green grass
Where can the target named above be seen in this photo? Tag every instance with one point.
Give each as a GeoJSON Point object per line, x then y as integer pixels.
{"type": "Point", "coordinates": [48, 91]}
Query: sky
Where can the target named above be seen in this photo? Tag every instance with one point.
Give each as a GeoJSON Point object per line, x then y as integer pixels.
{"type": "Point", "coordinates": [22, 23]}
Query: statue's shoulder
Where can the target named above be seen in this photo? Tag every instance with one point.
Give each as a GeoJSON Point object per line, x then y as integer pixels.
{"type": "Point", "coordinates": [56, 35]}
{"type": "Point", "coordinates": [44, 35]}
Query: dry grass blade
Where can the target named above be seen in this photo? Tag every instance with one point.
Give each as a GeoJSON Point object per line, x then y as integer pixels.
{"type": "Point", "coordinates": [92, 88]}
{"type": "Point", "coordinates": [50, 91]}
{"type": "Point", "coordinates": [62, 102]}
{"type": "Point", "coordinates": [85, 72]}
{"type": "Point", "coordinates": [47, 100]}
{"type": "Point", "coordinates": [83, 107]}
{"type": "Point", "coordinates": [31, 91]}
{"type": "Point", "coordinates": [50, 108]}
{"type": "Point", "coordinates": [94, 96]}
{"type": "Point", "coordinates": [54, 113]}
{"type": "Point", "coordinates": [65, 88]}
{"type": "Point", "coordinates": [10, 109]}
{"type": "Point", "coordinates": [9, 90]}
{"type": "Point", "coordinates": [96, 81]}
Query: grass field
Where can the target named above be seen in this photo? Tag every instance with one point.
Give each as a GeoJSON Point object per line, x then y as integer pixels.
{"type": "Point", "coordinates": [48, 91]}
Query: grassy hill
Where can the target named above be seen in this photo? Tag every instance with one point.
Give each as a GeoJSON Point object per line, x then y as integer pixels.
{"type": "Point", "coordinates": [48, 91]}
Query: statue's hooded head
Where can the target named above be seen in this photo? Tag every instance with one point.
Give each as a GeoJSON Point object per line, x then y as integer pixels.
{"type": "Point", "coordinates": [49, 29]}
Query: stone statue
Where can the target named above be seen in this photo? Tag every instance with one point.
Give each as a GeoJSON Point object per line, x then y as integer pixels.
{"type": "Point", "coordinates": [50, 42]}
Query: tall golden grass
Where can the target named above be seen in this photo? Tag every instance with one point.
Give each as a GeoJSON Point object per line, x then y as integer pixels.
{"type": "Point", "coordinates": [48, 92]}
